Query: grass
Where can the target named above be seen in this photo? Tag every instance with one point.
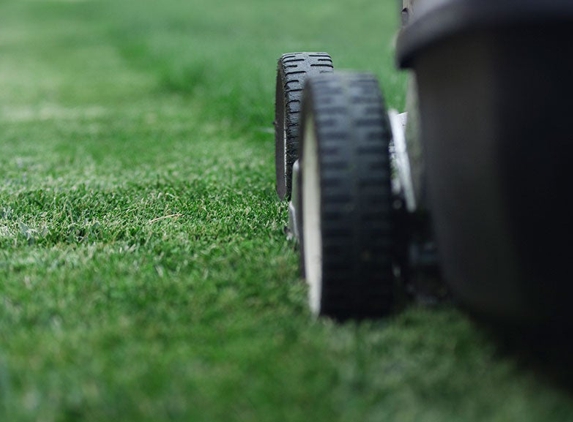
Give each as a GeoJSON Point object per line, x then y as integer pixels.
{"type": "Point", "coordinates": [223, 54]}
{"type": "Point", "coordinates": [144, 270]}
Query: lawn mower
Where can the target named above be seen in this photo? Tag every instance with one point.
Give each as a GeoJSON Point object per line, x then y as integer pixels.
{"type": "Point", "coordinates": [465, 193]}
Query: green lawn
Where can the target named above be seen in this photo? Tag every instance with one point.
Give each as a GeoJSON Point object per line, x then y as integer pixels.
{"type": "Point", "coordinates": [144, 272]}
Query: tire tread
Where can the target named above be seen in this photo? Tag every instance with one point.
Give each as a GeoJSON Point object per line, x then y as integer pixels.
{"type": "Point", "coordinates": [353, 135]}
{"type": "Point", "coordinates": [292, 71]}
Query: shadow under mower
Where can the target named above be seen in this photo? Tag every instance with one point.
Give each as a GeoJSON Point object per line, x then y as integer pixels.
{"type": "Point", "coordinates": [469, 185]}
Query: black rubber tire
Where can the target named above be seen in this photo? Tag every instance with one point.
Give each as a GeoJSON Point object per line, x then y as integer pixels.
{"type": "Point", "coordinates": [292, 71]}
{"type": "Point", "coordinates": [347, 218]}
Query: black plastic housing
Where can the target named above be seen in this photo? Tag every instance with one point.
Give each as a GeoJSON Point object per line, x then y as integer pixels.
{"type": "Point", "coordinates": [495, 86]}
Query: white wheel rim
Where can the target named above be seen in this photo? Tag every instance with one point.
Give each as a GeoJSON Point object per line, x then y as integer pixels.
{"type": "Point", "coordinates": [311, 216]}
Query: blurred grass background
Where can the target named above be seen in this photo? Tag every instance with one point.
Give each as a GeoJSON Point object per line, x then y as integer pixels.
{"type": "Point", "coordinates": [221, 52]}
{"type": "Point", "coordinates": [144, 272]}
